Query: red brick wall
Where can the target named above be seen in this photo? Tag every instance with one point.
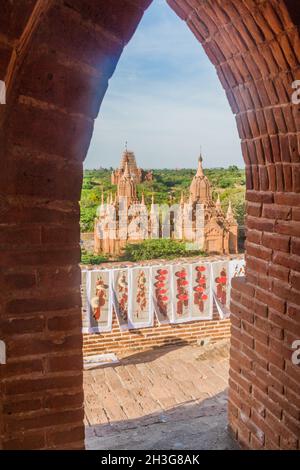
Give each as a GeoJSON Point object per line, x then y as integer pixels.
{"type": "Point", "coordinates": [158, 335]}
{"type": "Point", "coordinates": [56, 60]}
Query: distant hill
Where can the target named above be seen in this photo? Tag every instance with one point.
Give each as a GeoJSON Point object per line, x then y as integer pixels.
{"type": "Point", "coordinates": [166, 187]}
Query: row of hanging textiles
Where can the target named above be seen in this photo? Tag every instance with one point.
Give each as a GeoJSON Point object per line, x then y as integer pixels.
{"type": "Point", "coordinates": [173, 293]}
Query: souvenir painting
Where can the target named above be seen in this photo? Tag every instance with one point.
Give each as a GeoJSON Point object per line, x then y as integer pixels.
{"type": "Point", "coordinates": [140, 314]}
{"type": "Point", "coordinates": [201, 301]}
{"type": "Point", "coordinates": [100, 316]}
{"type": "Point", "coordinates": [181, 293]}
{"type": "Point", "coordinates": [84, 301]}
{"type": "Point", "coordinates": [220, 284]}
{"type": "Point", "coordinates": [236, 268]}
{"type": "Point", "coordinates": [120, 281]}
{"type": "Point", "coordinates": [161, 293]}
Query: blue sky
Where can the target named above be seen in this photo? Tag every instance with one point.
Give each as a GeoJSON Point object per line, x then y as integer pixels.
{"type": "Point", "coordinates": [166, 101]}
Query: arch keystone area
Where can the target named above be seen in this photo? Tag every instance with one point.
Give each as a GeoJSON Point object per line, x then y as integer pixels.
{"type": "Point", "coordinates": [56, 58]}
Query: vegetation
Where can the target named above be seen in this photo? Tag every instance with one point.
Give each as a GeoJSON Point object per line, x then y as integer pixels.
{"type": "Point", "coordinates": [167, 186]}
{"type": "Point", "coordinates": [90, 258]}
{"type": "Point", "coordinates": [155, 249]}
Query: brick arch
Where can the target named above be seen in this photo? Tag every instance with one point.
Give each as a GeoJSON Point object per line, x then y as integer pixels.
{"type": "Point", "coordinates": [57, 57]}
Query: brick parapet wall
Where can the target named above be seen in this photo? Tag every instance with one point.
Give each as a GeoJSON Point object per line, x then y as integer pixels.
{"type": "Point", "coordinates": [159, 335]}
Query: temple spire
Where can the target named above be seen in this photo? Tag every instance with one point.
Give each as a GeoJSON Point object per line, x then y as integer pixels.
{"type": "Point", "coordinates": [200, 172]}
{"type": "Point", "coordinates": [182, 198]}
{"type": "Point", "coordinates": [126, 173]}
{"type": "Point", "coordinates": [218, 203]}
{"type": "Point", "coordinates": [229, 214]}
{"type": "Point", "coordinates": [152, 208]}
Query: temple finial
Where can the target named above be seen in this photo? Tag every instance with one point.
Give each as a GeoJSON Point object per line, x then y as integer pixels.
{"type": "Point", "coordinates": [200, 169]}
{"type": "Point", "coordinates": [200, 156]}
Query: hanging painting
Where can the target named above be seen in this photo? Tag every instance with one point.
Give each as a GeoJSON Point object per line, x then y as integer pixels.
{"type": "Point", "coordinates": [220, 285]}
{"type": "Point", "coordinates": [120, 280]}
{"type": "Point", "coordinates": [140, 312]}
{"type": "Point", "coordinates": [181, 293]}
{"type": "Point", "coordinates": [236, 268]}
{"type": "Point", "coordinates": [84, 300]}
{"type": "Point", "coordinates": [100, 314]}
{"type": "Point", "coordinates": [201, 301]}
{"type": "Point", "coordinates": [161, 293]}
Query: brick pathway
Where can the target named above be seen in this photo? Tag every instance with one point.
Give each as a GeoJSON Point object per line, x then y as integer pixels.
{"type": "Point", "coordinates": [170, 398]}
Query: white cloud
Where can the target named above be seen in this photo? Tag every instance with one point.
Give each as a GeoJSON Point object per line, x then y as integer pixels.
{"type": "Point", "coordinates": [166, 100]}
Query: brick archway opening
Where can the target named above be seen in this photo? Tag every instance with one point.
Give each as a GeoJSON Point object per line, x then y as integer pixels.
{"type": "Point", "coordinates": [56, 57]}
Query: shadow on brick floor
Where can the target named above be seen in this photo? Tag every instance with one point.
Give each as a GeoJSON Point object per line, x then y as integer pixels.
{"type": "Point", "coordinates": [192, 425]}
{"type": "Point", "coordinates": [151, 355]}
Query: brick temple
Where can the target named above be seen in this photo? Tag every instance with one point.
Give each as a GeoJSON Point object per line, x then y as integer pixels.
{"type": "Point", "coordinates": [138, 174]}
{"type": "Point", "coordinates": [197, 219]}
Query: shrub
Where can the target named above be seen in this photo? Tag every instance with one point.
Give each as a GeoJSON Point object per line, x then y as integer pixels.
{"type": "Point", "coordinates": [90, 258]}
{"type": "Point", "coordinates": [154, 249]}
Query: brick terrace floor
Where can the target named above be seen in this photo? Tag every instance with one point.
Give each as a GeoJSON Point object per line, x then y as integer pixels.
{"type": "Point", "coordinates": [168, 398]}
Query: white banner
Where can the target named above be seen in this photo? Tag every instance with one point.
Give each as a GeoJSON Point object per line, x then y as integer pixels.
{"type": "Point", "coordinates": [120, 289]}
{"type": "Point", "coordinates": [181, 292]}
{"type": "Point", "coordinates": [100, 307]}
{"type": "Point", "coordinates": [161, 279]}
{"type": "Point", "coordinates": [176, 293]}
{"type": "Point", "coordinates": [84, 301]}
{"type": "Point", "coordinates": [221, 287]}
{"type": "Point", "coordinates": [140, 310]}
{"type": "Point", "coordinates": [202, 297]}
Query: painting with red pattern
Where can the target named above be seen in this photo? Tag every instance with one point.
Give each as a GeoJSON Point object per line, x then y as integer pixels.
{"type": "Point", "coordinates": [181, 293]}
{"type": "Point", "coordinates": [161, 293]}
{"type": "Point", "coordinates": [236, 268]}
{"type": "Point", "coordinates": [99, 314]}
{"type": "Point", "coordinates": [201, 306]}
{"type": "Point", "coordinates": [221, 289]}
{"type": "Point", "coordinates": [84, 301]}
{"type": "Point", "coordinates": [140, 313]}
{"type": "Point", "coordinates": [120, 296]}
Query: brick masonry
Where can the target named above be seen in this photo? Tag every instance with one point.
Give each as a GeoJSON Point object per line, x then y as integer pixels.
{"type": "Point", "coordinates": [159, 335]}
{"type": "Point", "coordinates": [56, 57]}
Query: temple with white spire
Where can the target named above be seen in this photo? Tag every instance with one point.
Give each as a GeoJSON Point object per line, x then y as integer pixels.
{"type": "Point", "coordinates": [137, 174]}
{"type": "Point", "coordinates": [196, 219]}
{"type": "Point", "coordinates": [203, 222]}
